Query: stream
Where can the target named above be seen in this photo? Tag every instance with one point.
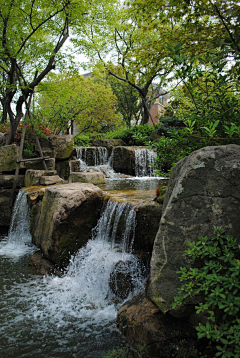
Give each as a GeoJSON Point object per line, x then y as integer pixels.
{"type": "Point", "coordinates": [73, 315]}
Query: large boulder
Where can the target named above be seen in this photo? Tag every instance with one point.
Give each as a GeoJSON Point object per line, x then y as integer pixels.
{"type": "Point", "coordinates": [124, 160]}
{"type": "Point", "coordinates": [8, 158]}
{"type": "Point", "coordinates": [161, 336]}
{"type": "Point", "coordinates": [63, 222]}
{"type": "Point", "coordinates": [203, 192]}
{"type": "Point", "coordinates": [57, 146]}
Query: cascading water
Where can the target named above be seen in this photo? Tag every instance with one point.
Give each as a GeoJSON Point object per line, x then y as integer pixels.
{"type": "Point", "coordinates": [19, 238]}
{"type": "Point", "coordinates": [144, 161]}
{"type": "Point", "coordinates": [92, 156]}
{"type": "Point", "coordinates": [73, 315]}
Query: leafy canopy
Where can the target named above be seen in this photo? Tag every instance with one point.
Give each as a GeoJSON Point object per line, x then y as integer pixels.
{"type": "Point", "coordinates": [69, 97]}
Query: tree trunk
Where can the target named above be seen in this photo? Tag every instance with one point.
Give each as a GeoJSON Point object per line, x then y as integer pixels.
{"type": "Point", "coordinates": [4, 111]}
{"type": "Point", "coordinates": [145, 116]}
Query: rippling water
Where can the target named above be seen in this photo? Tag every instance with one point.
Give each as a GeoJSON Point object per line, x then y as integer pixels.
{"type": "Point", "coordinates": [69, 316]}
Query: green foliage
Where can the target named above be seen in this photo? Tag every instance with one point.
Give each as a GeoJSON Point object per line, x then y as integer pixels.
{"type": "Point", "coordinates": [119, 353]}
{"type": "Point", "coordinates": [29, 149]}
{"type": "Point", "coordinates": [215, 279]}
{"type": "Point", "coordinates": [81, 140]}
{"type": "Point", "coordinates": [69, 97]}
{"type": "Point", "coordinates": [173, 148]}
{"type": "Point", "coordinates": [127, 99]}
{"type": "Point", "coordinates": [208, 101]}
{"type": "Point", "coordinates": [137, 135]}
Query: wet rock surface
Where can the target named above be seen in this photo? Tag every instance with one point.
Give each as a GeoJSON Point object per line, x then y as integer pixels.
{"type": "Point", "coordinates": [144, 325]}
{"type": "Point", "coordinates": [203, 192]}
{"type": "Point", "coordinates": [62, 222]}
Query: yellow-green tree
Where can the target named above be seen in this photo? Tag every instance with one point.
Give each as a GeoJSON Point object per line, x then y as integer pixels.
{"type": "Point", "coordinates": [66, 98]}
{"type": "Point", "coordinates": [32, 37]}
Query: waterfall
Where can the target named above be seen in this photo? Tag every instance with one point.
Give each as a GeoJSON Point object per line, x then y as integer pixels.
{"type": "Point", "coordinates": [92, 156]}
{"type": "Point", "coordinates": [90, 290]}
{"type": "Point", "coordinates": [19, 238]}
{"type": "Point", "coordinates": [73, 314]}
{"type": "Point", "coordinates": [118, 221]}
{"type": "Point", "coordinates": [144, 160]}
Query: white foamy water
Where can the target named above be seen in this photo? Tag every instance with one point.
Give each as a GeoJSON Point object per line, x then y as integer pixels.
{"type": "Point", "coordinates": [18, 242]}
{"type": "Point", "coordinates": [73, 315]}
{"type": "Point", "coordinates": [144, 161]}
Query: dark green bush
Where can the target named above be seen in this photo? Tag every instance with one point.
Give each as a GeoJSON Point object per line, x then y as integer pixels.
{"type": "Point", "coordinates": [215, 279]}
{"type": "Point", "coordinates": [82, 140]}
{"type": "Point", "coordinates": [138, 135]}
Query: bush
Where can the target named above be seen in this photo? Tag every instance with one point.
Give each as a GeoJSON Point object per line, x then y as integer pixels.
{"type": "Point", "coordinates": [215, 280]}
{"type": "Point", "coordinates": [82, 140]}
{"type": "Point", "coordinates": [138, 135]}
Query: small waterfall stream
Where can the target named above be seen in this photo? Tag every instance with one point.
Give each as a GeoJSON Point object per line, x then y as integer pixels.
{"type": "Point", "coordinates": [18, 242]}
{"type": "Point", "coordinates": [144, 160]}
{"type": "Point", "coordinates": [93, 156]}
{"type": "Point", "coordinates": [97, 158]}
{"type": "Point", "coordinates": [73, 315]}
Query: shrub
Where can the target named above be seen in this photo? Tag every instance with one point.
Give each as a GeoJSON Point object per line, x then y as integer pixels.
{"type": "Point", "coordinates": [137, 135]}
{"type": "Point", "coordinates": [82, 140]}
{"type": "Point", "coordinates": [215, 280]}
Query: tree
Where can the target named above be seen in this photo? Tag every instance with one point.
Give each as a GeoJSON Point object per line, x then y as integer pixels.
{"type": "Point", "coordinates": [32, 36]}
{"type": "Point", "coordinates": [65, 98]}
{"type": "Point", "coordinates": [127, 100]}
{"type": "Point", "coordinates": [134, 58]}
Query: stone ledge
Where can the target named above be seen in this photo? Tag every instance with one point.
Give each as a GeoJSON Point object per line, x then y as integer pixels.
{"type": "Point", "coordinates": [87, 177]}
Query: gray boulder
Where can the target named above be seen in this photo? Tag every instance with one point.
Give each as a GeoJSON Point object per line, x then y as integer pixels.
{"type": "Point", "coordinates": [8, 158]}
{"type": "Point", "coordinates": [124, 160]}
{"type": "Point", "coordinates": [63, 221]}
{"type": "Point", "coordinates": [203, 192]}
{"type": "Point", "coordinates": [57, 146]}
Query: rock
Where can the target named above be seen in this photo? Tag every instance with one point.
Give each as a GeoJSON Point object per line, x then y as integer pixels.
{"type": "Point", "coordinates": [42, 265]}
{"type": "Point", "coordinates": [107, 143]}
{"type": "Point", "coordinates": [50, 180]}
{"type": "Point", "coordinates": [32, 177]}
{"type": "Point", "coordinates": [38, 165]}
{"type": "Point", "coordinates": [3, 137]}
{"type": "Point", "coordinates": [120, 281]}
{"type": "Point", "coordinates": [57, 146]}
{"type": "Point", "coordinates": [203, 192]}
{"type": "Point", "coordinates": [6, 181]}
{"type": "Point", "coordinates": [8, 158]}
{"type": "Point", "coordinates": [148, 215]}
{"type": "Point", "coordinates": [67, 215]}
{"type": "Point", "coordinates": [6, 211]}
{"type": "Point", "coordinates": [124, 160]}
{"type": "Point", "coordinates": [63, 169]}
{"type": "Point", "coordinates": [161, 336]}
{"type": "Point", "coordinates": [87, 177]}
{"type": "Point", "coordinates": [75, 165]}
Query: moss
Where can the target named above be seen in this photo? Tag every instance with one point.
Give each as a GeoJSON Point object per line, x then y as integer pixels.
{"type": "Point", "coordinates": [64, 248]}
